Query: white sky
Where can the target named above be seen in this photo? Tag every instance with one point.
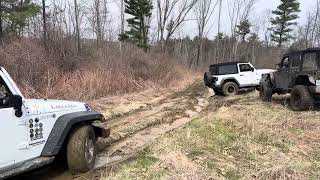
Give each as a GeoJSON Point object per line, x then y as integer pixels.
{"type": "Point", "coordinates": [259, 11]}
{"type": "Point", "coordinates": [189, 28]}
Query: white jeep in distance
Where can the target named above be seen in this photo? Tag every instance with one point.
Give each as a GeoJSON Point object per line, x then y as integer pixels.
{"type": "Point", "coordinates": [228, 78]}
{"type": "Point", "coordinates": [33, 132]}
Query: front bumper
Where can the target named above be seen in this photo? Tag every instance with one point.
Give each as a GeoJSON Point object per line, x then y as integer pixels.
{"type": "Point", "coordinates": [314, 89]}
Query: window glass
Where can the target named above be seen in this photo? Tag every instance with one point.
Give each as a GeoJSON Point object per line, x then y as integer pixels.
{"type": "Point", "coordinates": [310, 62]}
{"type": "Point", "coordinates": [4, 91]}
{"type": "Point", "coordinates": [285, 62]}
{"type": "Point", "coordinates": [213, 69]}
{"type": "Point", "coordinates": [228, 69]}
{"type": "Point", "coordinates": [245, 67]}
{"type": "Point", "coordinates": [295, 60]}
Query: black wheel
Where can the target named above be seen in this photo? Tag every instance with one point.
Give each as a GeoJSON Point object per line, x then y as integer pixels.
{"type": "Point", "coordinates": [300, 99]}
{"type": "Point", "coordinates": [230, 89]}
{"type": "Point", "coordinates": [265, 91]}
{"type": "Point", "coordinates": [81, 150]}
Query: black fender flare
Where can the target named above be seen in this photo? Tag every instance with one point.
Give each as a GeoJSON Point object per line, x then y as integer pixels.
{"type": "Point", "coordinates": [228, 79]}
{"type": "Point", "coordinates": [270, 76]}
{"type": "Point", "coordinates": [63, 126]}
{"type": "Point", "coordinates": [305, 79]}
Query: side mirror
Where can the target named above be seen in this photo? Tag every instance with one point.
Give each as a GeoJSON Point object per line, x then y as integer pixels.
{"type": "Point", "coordinates": [15, 101]}
{"type": "Point", "coordinates": [277, 66]}
{"type": "Point", "coordinates": [252, 69]}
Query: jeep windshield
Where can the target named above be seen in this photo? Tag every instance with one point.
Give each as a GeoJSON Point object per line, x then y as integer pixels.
{"type": "Point", "coordinates": [224, 69]}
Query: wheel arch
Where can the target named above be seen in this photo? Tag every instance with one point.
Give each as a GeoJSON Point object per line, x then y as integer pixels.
{"type": "Point", "coordinates": [266, 76]}
{"type": "Point", "coordinates": [230, 80]}
{"type": "Point", "coordinates": [304, 79]}
{"type": "Point", "coordinates": [64, 126]}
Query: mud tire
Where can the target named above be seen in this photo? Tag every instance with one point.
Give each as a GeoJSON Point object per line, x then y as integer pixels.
{"type": "Point", "coordinates": [230, 89]}
{"type": "Point", "coordinates": [265, 92]}
{"type": "Point", "coordinates": [301, 99]}
{"type": "Point", "coordinates": [81, 142]}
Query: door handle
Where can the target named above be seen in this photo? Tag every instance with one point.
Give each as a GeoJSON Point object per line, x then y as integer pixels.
{"type": "Point", "coordinates": [22, 146]}
{"type": "Point", "coordinates": [241, 75]}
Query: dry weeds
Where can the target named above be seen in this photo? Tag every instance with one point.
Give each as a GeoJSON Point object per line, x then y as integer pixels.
{"type": "Point", "coordinates": [243, 139]}
{"type": "Point", "coordinates": [60, 73]}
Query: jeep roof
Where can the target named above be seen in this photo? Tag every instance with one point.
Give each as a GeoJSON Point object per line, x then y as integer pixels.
{"type": "Point", "coordinates": [301, 51]}
{"type": "Point", "coordinates": [228, 63]}
{"type": "Point", "coordinates": [214, 67]}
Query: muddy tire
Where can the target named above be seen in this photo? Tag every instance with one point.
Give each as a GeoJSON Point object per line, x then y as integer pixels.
{"type": "Point", "coordinates": [230, 89]}
{"type": "Point", "coordinates": [265, 91]}
{"type": "Point", "coordinates": [300, 99]}
{"type": "Point", "coordinates": [81, 150]}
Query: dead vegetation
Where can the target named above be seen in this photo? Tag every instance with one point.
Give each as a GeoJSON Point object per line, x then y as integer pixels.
{"type": "Point", "coordinates": [58, 73]}
{"type": "Point", "coordinates": [235, 138]}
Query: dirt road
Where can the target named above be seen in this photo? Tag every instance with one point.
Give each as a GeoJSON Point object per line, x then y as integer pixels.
{"type": "Point", "coordinates": [136, 120]}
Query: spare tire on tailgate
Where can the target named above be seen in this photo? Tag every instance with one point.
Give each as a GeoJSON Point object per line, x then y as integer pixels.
{"type": "Point", "coordinates": [207, 79]}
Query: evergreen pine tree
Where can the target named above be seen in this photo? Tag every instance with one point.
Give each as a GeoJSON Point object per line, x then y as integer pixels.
{"type": "Point", "coordinates": [243, 29]}
{"type": "Point", "coordinates": [14, 15]}
{"type": "Point", "coordinates": [285, 14]}
{"type": "Point", "coordinates": [140, 11]}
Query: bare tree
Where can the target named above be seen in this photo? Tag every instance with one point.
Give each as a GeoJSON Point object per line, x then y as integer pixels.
{"type": "Point", "coordinates": [203, 11]}
{"type": "Point", "coordinates": [44, 19]}
{"type": "Point", "coordinates": [265, 26]}
{"type": "Point", "coordinates": [171, 14]}
{"type": "Point", "coordinates": [77, 25]}
{"type": "Point", "coordinates": [239, 10]}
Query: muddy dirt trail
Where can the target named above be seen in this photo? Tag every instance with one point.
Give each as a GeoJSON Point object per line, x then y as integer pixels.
{"type": "Point", "coordinates": [135, 120]}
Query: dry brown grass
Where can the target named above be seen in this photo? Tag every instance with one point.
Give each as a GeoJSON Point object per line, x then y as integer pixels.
{"type": "Point", "coordinates": [241, 139]}
{"type": "Point", "coordinates": [59, 73]}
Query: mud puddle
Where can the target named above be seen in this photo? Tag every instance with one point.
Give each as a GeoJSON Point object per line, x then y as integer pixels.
{"type": "Point", "coordinates": [146, 119]}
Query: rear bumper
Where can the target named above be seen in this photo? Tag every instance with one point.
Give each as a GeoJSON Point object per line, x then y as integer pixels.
{"type": "Point", "coordinates": [210, 81]}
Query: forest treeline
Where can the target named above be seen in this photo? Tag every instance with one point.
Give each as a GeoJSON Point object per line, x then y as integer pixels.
{"type": "Point", "coordinates": [48, 44]}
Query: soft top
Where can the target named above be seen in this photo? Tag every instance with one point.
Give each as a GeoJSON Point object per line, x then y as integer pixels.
{"type": "Point", "coordinates": [302, 51]}
{"type": "Point", "coordinates": [228, 63]}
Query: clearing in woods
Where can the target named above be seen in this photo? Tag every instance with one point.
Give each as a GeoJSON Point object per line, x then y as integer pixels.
{"type": "Point", "coordinates": [215, 137]}
{"type": "Point", "coordinates": [234, 138]}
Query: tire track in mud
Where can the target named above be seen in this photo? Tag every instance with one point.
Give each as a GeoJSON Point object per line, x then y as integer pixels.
{"type": "Point", "coordinates": [132, 131]}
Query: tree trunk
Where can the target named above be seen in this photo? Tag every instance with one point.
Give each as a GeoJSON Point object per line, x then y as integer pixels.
{"type": "Point", "coordinates": [44, 19]}
{"type": "Point", "coordinates": [1, 22]}
{"type": "Point", "coordinates": [76, 12]}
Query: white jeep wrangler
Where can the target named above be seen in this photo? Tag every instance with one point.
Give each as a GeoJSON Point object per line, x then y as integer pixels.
{"type": "Point", "coordinates": [33, 132]}
{"type": "Point", "coordinates": [228, 78]}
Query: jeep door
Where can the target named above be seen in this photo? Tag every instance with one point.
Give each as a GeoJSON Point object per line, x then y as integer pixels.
{"type": "Point", "coordinates": [13, 131]}
{"type": "Point", "coordinates": [247, 76]}
{"type": "Point", "coordinates": [295, 68]}
{"type": "Point", "coordinates": [281, 76]}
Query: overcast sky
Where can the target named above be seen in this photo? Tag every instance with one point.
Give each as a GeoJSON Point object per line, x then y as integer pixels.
{"type": "Point", "coordinates": [259, 12]}
{"type": "Point", "coordinates": [189, 28]}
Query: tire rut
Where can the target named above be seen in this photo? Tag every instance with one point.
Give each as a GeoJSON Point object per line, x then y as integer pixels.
{"type": "Point", "coordinates": [133, 132]}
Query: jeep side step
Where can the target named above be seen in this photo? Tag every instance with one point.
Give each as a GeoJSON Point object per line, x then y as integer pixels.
{"type": "Point", "coordinates": [26, 166]}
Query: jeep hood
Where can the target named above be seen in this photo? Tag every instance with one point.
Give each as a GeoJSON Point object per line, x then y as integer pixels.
{"type": "Point", "coordinates": [43, 106]}
{"type": "Point", "coordinates": [265, 71]}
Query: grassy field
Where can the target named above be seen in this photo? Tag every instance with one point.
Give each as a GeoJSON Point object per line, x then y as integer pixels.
{"type": "Point", "coordinates": [234, 138]}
